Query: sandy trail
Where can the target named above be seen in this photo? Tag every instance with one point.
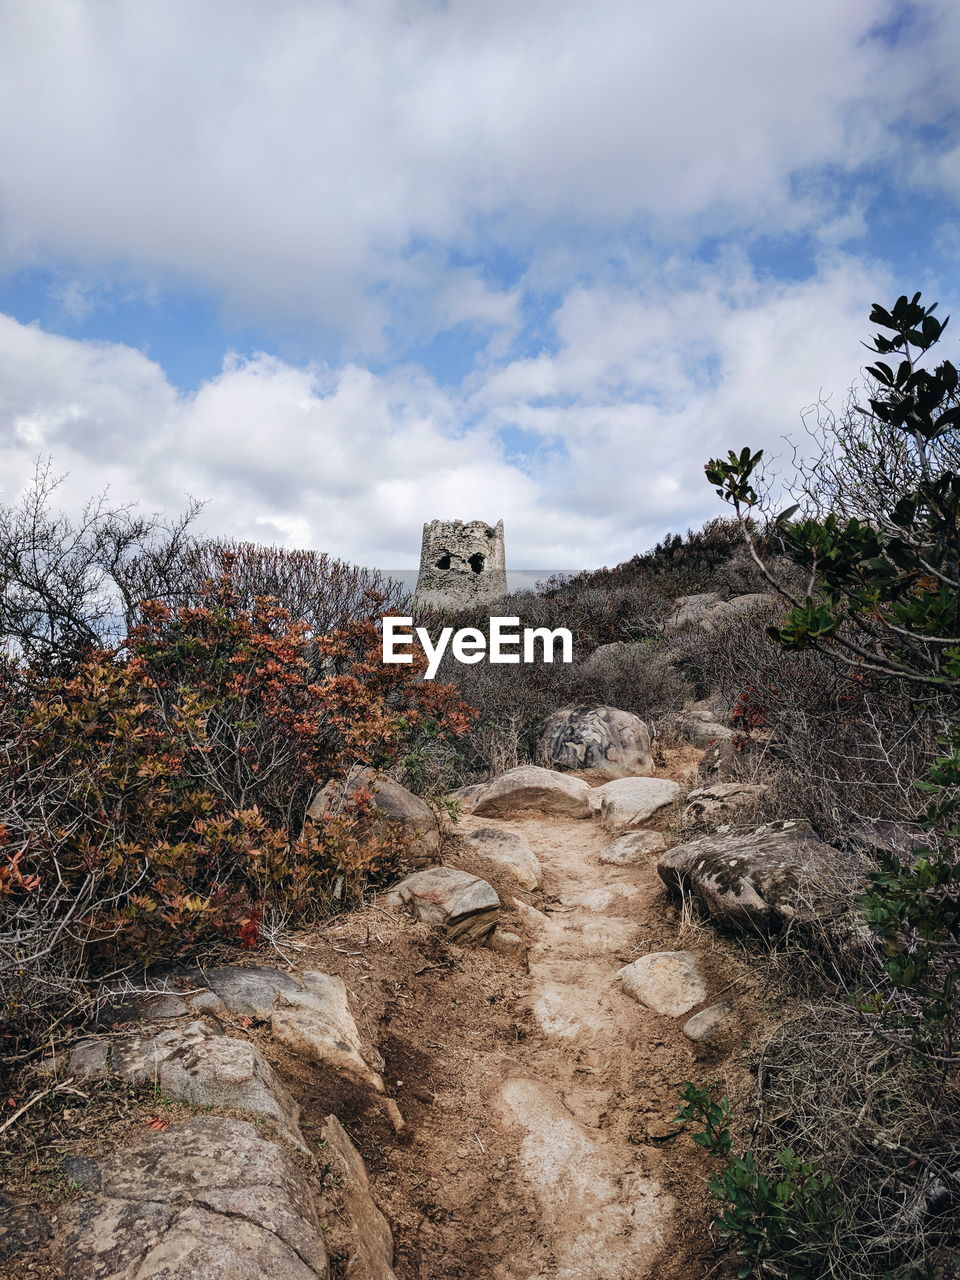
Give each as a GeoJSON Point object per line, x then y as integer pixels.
{"type": "Point", "coordinates": [569, 1094]}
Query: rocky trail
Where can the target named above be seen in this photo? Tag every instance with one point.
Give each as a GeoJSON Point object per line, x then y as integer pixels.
{"type": "Point", "coordinates": [503, 1110]}
{"type": "Point", "coordinates": [571, 1171]}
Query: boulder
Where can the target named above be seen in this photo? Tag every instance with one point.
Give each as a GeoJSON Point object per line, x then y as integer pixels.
{"type": "Point", "coordinates": [626, 803]}
{"type": "Point", "coordinates": [731, 758]}
{"type": "Point", "coordinates": [709, 610]}
{"type": "Point", "coordinates": [710, 808]}
{"type": "Point", "coordinates": [208, 1197]}
{"type": "Point", "coordinates": [668, 982]}
{"type": "Point", "coordinates": [760, 879]}
{"type": "Point", "coordinates": [711, 1026]}
{"type": "Point", "coordinates": [197, 1064]}
{"type": "Point", "coordinates": [510, 851]}
{"type": "Point", "coordinates": [613, 743]}
{"type": "Point", "coordinates": [701, 724]}
{"type": "Point", "coordinates": [464, 906]}
{"type": "Point", "coordinates": [633, 848]}
{"type": "Point", "coordinates": [399, 809]}
{"type": "Point", "coordinates": [531, 787]}
{"type": "Point", "coordinates": [309, 1013]}
{"type": "Point", "coordinates": [370, 1251]}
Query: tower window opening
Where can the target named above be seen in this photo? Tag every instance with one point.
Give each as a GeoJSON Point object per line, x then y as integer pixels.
{"type": "Point", "coordinates": [477, 562]}
{"type": "Point", "coordinates": [444, 562]}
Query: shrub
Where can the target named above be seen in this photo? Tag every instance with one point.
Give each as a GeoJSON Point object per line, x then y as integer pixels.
{"type": "Point", "coordinates": [153, 797]}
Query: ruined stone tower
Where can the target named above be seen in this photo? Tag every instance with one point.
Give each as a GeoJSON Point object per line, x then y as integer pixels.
{"type": "Point", "coordinates": [461, 563]}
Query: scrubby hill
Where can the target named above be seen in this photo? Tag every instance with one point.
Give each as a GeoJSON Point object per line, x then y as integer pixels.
{"type": "Point", "coordinates": [314, 968]}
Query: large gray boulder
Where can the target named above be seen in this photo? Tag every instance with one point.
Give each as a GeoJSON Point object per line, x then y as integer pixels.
{"type": "Point", "coordinates": [526, 788]}
{"type": "Point", "coordinates": [611, 742]}
{"type": "Point", "coordinates": [761, 879]}
{"type": "Point", "coordinates": [194, 1062]}
{"type": "Point", "coordinates": [511, 853]}
{"type": "Point", "coordinates": [627, 803]}
{"type": "Point", "coordinates": [464, 906]}
{"type": "Point", "coordinates": [208, 1197]}
{"type": "Point", "coordinates": [398, 810]}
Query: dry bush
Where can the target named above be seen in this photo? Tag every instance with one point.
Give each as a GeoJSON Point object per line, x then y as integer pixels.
{"type": "Point", "coordinates": [317, 590]}
{"type": "Point", "coordinates": [884, 1130]}
{"type": "Point", "coordinates": [152, 798]}
{"type": "Point", "coordinates": [842, 746]}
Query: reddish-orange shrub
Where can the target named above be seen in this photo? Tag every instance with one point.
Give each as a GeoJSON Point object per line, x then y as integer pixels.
{"type": "Point", "coordinates": [152, 799]}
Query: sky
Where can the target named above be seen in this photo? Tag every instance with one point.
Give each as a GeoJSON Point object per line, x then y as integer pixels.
{"type": "Point", "coordinates": [340, 267]}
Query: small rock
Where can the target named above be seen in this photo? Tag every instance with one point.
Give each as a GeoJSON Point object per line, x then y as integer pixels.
{"type": "Point", "coordinates": [633, 848]}
{"type": "Point", "coordinates": [627, 802]}
{"type": "Point", "coordinates": [709, 808]}
{"type": "Point", "coordinates": [310, 1014]}
{"type": "Point", "coordinates": [710, 1026]}
{"type": "Point", "coordinates": [669, 982]}
{"type": "Point", "coordinates": [505, 943]}
{"type": "Point", "coordinates": [509, 850]}
{"type": "Point", "coordinates": [464, 906]}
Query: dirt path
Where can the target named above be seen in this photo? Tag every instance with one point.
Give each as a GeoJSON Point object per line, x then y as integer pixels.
{"type": "Point", "coordinates": [542, 1146]}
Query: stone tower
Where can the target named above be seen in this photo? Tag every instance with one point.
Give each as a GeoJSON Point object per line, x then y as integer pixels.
{"type": "Point", "coordinates": [461, 563]}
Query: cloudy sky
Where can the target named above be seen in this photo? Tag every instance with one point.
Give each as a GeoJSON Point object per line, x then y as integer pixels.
{"type": "Point", "coordinates": [341, 266]}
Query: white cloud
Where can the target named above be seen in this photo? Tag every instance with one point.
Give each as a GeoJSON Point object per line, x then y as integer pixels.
{"type": "Point", "coordinates": [292, 157]}
{"type": "Point", "coordinates": [646, 383]}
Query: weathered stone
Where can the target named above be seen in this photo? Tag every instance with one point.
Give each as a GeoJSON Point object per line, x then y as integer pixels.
{"type": "Point", "coordinates": [370, 1256]}
{"type": "Point", "coordinates": [194, 1063]}
{"type": "Point", "coordinates": [709, 808]}
{"type": "Point", "coordinates": [669, 982]}
{"type": "Point", "coordinates": [709, 610]}
{"type": "Point", "coordinates": [701, 724]}
{"type": "Point", "coordinates": [633, 848]}
{"type": "Point", "coordinates": [611, 742]}
{"type": "Point", "coordinates": [505, 942]}
{"type": "Point", "coordinates": [761, 879]}
{"type": "Point", "coordinates": [711, 1026]}
{"type": "Point", "coordinates": [730, 759]}
{"type": "Point", "coordinates": [311, 1015]}
{"type": "Point", "coordinates": [531, 787]}
{"type": "Point", "coordinates": [23, 1228]}
{"type": "Point", "coordinates": [399, 809]}
{"type": "Point", "coordinates": [464, 906]}
{"type": "Point", "coordinates": [627, 802]}
{"type": "Point", "coordinates": [510, 851]}
{"type": "Point", "coordinates": [209, 1197]}
{"type": "Point", "coordinates": [875, 835]}
{"type": "Point", "coordinates": [461, 563]}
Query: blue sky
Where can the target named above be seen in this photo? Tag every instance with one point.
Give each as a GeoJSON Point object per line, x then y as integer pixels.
{"type": "Point", "coordinates": [338, 269]}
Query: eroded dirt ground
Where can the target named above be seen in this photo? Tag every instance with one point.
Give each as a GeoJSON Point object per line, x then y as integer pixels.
{"type": "Point", "coordinates": [539, 1097]}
